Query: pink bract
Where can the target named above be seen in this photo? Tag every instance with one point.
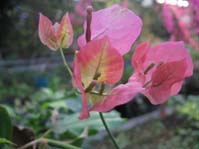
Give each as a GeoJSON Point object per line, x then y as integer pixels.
{"type": "Point", "coordinates": [77, 82]}
{"type": "Point", "coordinates": [57, 35]}
{"type": "Point", "coordinates": [121, 25]}
{"type": "Point", "coordinates": [168, 18]}
{"type": "Point", "coordinates": [98, 63]}
{"type": "Point", "coordinates": [161, 69]}
{"type": "Point", "coordinates": [118, 96]}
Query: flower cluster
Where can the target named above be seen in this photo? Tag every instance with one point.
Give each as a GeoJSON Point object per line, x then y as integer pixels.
{"type": "Point", "coordinates": [159, 71]}
{"type": "Point", "coordinates": [182, 23]}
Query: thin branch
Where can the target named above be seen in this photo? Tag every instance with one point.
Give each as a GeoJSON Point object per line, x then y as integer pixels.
{"type": "Point", "coordinates": [49, 142]}
{"type": "Point", "coordinates": [65, 63]}
{"type": "Point", "coordinates": [108, 131]}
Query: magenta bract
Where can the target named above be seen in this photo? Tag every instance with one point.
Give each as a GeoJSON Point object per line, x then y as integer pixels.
{"type": "Point", "coordinates": [120, 25]}
{"type": "Point", "coordinates": [161, 69]}
{"type": "Point", "coordinates": [96, 63]}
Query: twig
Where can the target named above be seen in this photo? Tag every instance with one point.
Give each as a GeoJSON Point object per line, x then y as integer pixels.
{"type": "Point", "coordinates": [65, 63]}
{"type": "Point", "coordinates": [32, 143]}
{"type": "Point", "coordinates": [50, 142]}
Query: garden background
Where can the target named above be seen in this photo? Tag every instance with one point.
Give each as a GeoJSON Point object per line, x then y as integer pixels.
{"type": "Point", "coordinates": [41, 102]}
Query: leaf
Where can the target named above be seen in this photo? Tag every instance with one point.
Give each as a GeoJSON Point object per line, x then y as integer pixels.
{"type": "Point", "coordinates": [68, 103]}
{"type": "Point", "coordinates": [57, 104]}
{"type": "Point", "coordinates": [188, 106]}
{"type": "Point", "coordinates": [74, 104]}
{"type": "Point", "coordinates": [3, 140]}
{"type": "Point", "coordinates": [5, 125]}
{"type": "Point", "coordinates": [72, 124]}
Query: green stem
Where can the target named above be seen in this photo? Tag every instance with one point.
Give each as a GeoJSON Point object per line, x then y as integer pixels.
{"type": "Point", "coordinates": [61, 145]}
{"type": "Point", "coordinates": [108, 131]}
{"type": "Point", "coordinates": [50, 142]}
{"type": "Point", "coordinates": [65, 63]}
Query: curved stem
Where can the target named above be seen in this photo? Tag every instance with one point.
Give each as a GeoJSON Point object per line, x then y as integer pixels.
{"type": "Point", "coordinates": [65, 63]}
{"type": "Point", "coordinates": [108, 131]}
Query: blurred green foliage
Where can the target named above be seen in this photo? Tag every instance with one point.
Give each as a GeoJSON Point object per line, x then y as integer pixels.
{"type": "Point", "coordinates": [156, 134]}
{"type": "Point", "coordinates": [19, 38]}
{"type": "Point", "coordinates": [190, 107]}
{"type": "Point", "coordinates": [53, 111]}
{"type": "Point", "coordinates": [5, 128]}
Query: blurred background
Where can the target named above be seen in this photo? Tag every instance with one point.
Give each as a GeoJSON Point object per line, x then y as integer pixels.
{"type": "Point", "coordinates": [37, 92]}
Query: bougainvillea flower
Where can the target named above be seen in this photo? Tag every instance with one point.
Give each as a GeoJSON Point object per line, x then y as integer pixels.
{"type": "Point", "coordinates": [121, 25]}
{"type": "Point", "coordinates": [98, 64]}
{"type": "Point", "coordinates": [161, 69]}
{"type": "Point", "coordinates": [57, 35]}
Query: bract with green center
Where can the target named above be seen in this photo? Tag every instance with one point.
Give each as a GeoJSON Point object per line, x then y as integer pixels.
{"type": "Point", "coordinates": [96, 63]}
{"type": "Point", "coordinates": [100, 62]}
{"type": "Point", "coordinates": [57, 35]}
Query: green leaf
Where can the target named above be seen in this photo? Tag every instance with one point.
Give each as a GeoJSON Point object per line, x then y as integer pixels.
{"type": "Point", "coordinates": [74, 104]}
{"type": "Point", "coordinates": [72, 124]}
{"type": "Point", "coordinates": [3, 140]}
{"type": "Point", "coordinates": [190, 107]}
{"type": "Point", "coordinates": [5, 125]}
{"type": "Point", "coordinates": [57, 104]}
